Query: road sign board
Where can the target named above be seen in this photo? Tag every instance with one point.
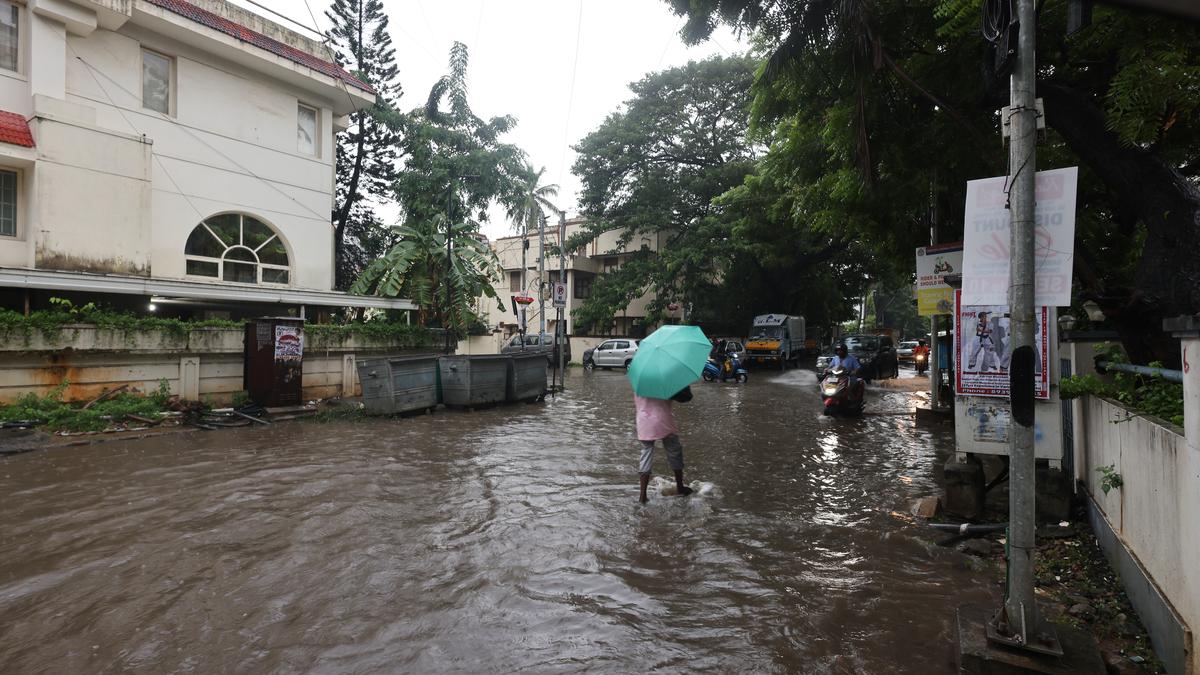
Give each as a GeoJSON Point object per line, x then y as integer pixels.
{"type": "Point", "coordinates": [559, 294]}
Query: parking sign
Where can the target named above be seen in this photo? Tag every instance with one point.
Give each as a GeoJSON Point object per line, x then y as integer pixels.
{"type": "Point", "coordinates": [560, 294]}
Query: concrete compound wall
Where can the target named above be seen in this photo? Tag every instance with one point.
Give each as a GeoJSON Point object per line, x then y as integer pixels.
{"type": "Point", "coordinates": [1149, 525]}
{"type": "Point", "coordinates": [205, 364]}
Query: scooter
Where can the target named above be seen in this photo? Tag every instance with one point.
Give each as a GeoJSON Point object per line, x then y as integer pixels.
{"type": "Point", "coordinates": [731, 368]}
{"type": "Point", "coordinates": [922, 363]}
{"type": "Point", "coordinates": [840, 396]}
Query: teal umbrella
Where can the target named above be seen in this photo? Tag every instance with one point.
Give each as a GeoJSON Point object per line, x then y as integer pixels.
{"type": "Point", "coordinates": [669, 360]}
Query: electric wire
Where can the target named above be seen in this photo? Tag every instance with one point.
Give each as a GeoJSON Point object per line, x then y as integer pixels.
{"type": "Point", "coordinates": [997, 17]}
{"type": "Point", "coordinates": [562, 162]}
{"type": "Point", "coordinates": [246, 171]}
{"type": "Point", "coordinates": [121, 112]}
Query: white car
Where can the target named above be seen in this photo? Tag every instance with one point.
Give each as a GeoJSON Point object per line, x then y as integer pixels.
{"type": "Point", "coordinates": [611, 354]}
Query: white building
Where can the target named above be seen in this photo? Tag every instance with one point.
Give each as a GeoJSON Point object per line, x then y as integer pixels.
{"type": "Point", "coordinates": [604, 254]}
{"type": "Point", "coordinates": [181, 151]}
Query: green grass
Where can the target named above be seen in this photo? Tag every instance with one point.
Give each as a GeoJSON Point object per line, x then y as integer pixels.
{"type": "Point", "coordinates": [57, 415]}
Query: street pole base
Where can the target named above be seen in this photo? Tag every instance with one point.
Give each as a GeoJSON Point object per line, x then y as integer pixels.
{"type": "Point", "coordinates": [1044, 638]}
{"type": "Point", "coordinates": [976, 655]}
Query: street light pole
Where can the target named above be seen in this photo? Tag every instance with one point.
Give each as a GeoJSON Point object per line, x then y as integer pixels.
{"type": "Point", "coordinates": [1020, 623]}
{"type": "Point", "coordinates": [541, 276]}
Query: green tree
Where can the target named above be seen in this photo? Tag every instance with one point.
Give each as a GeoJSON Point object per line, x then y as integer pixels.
{"type": "Point", "coordinates": [416, 267]}
{"type": "Point", "coordinates": [366, 152]}
{"type": "Point", "coordinates": [455, 166]}
{"type": "Point", "coordinates": [454, 161]}
{"type": "Point", "coordinates": [530, 205]}
{"type": "Point", "coordinates": [876, 110]}
{"type": "Point", "coordinates": [652, 171]}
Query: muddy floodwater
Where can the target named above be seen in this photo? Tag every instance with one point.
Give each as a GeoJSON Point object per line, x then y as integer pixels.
{"type": "Point", "coordinates": [494, 541]}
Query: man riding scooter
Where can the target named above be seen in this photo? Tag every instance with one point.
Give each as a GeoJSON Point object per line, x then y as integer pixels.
{"type": "Point", "coordinates": [921, 357]}
{"type": "Point", "coordinates": [844, 392]}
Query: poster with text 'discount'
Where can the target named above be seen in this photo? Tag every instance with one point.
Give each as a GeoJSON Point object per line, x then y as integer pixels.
{"type": "Point", "coordinates": [986, 230]}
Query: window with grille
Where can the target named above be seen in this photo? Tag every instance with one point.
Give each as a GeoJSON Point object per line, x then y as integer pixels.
{"type": "Point", "coordinates": [238, 248]}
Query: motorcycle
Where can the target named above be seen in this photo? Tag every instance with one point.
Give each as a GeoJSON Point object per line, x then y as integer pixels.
{"type": "Point", "coordinates": [922, 363]}
{"type": "Point", "coordinates": [730, 368]}
{"type": "Point", "coordinates": [842, 397]}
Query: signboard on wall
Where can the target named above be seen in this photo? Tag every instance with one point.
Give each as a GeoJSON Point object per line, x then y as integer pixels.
{"type": "Point", "coordinates": [934, 295]}
{"type": "Point", "coordinates": [986, 233]}
{"type": "Point", "coordinates": [982, 350]}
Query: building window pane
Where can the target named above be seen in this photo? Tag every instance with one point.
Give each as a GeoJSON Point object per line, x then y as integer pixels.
{"type": "Point", "coordinates": [242, 273]}
{"type": "Point", "coordinates": [583, 286]}
{"type": "Point", "coordinates": [10, 41]}
{"type": "Point", "coordinates": [202, 268]}
{"type": "Point", "coordinates": [306, 130]}
{"type": "Point", "coordinates": [156, 82]}
{"type": "Point", "coordinates": [514, 282]}
{"type": "Point", "coordinates": [203, 243]}
{"type": "Point", "coordinates": [274, 276]}
{"type": "Point", "coordinates": [8, 203]}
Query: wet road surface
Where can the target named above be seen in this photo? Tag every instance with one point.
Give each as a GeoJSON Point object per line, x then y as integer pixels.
{"type": "Point", "coordinates": [499, 540]}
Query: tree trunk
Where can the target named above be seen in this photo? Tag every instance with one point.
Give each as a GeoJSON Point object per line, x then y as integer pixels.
{"type": "Point", "coordinates": [343, 214]}
{"type": "Point", "coordinates": [1168, 276]}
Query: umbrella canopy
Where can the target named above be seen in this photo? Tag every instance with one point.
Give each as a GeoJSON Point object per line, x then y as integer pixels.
{"type": "Point", "coordinates": [669, 360]}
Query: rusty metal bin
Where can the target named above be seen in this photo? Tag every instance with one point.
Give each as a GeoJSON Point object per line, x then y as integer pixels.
{"type": "Point", "coordinates": [526, 376]}
{"type": "Point", "coordinates": [474, 380]}
{"type": "Point", "coordinates": [273, 362]}
{"type": "Point", "coordinates": [398, 384]}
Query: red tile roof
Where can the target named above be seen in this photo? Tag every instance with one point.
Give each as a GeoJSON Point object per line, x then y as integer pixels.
{"type": "Point", "coordinates": [14, 129]}
{"type": "Point", "coordinates": [220, 23]}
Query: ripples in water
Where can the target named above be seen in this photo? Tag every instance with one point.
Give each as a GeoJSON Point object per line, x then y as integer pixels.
{"type": "Point", "coordinates": [506, 539]}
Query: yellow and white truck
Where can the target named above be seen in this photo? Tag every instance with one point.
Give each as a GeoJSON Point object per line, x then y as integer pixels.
{"type": "Point", "coordinates": [775, 339]}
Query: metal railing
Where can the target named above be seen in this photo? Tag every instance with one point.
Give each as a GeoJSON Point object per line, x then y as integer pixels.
{"type": "Point", "coordinates": [1164, 373]}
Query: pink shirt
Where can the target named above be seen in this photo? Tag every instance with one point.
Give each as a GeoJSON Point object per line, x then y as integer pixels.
{"type": "Point", "coordinates": [654, 418]}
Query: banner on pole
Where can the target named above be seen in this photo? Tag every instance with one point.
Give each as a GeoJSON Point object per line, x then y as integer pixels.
{"type": "Point", "coordinates": [983, 347]}
{"type": "Point", "coordinates": [934, 296]}
{"type": "Point", "coordinates": [986, 227]}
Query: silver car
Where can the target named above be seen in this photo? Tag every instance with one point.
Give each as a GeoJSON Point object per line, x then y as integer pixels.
{"type": "Point", "coordinates": [613, 354]}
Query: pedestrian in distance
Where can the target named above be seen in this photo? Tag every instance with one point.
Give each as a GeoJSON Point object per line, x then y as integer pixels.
{"type": "Point", "coordinates": [656, 422]}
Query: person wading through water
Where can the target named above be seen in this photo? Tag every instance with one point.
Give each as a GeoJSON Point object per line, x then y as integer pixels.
{"type": "Point", "coordinates": [655, 422]}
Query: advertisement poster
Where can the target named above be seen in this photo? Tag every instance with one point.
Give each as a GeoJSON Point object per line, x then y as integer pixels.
{"type": "Point", "coordinates": [289, 343]}
{"type": "Point", "coordinates": [982, 350]}
{"type": "Point", "coordinates": [986, 239]}
{"type": "Point", "coordinates": [934, 295]}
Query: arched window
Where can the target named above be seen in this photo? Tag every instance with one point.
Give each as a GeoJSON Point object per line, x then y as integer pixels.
{"type": "Point", "coordinates": [236, 247]}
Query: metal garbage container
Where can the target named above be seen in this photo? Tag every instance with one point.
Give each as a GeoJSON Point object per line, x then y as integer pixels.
{"type": "Point", "coordinates": [526, 377]}
{"type": "Point", "coordinates": [474, 380]}
{"type": "Point", "coordinates": [273, 363]}
{"type": "Point", "coordinates": [398, 384]}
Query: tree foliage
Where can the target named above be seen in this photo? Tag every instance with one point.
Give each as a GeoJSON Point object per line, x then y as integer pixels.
{"type": "Point", "coordinates": [455, 166]}
{"type": "Point", "coordinates": [366, 153]}
{"type": "Point", "coordinates": [877, 112]}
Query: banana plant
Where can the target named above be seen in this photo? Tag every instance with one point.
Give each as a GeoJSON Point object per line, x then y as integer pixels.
{"type": "Point", "coordinates": [417, 267]}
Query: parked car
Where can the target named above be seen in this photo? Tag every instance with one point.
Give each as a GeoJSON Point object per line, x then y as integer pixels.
{"type": "Point", "coordinates": [904, 351]}
{"type": "Point", "coordinates": [537, 341]}
{"type": "Point", "coordinates": [616, 353]}
{"type": "Point", "coordinates": [876, 353]}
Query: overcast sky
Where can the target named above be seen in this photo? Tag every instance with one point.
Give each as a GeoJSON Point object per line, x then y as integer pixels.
{"type": "Point", "coordinates": [523, 62]}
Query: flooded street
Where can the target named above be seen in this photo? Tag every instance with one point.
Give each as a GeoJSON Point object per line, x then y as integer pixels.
{"type": "Point", "coordinates": [499, 540]}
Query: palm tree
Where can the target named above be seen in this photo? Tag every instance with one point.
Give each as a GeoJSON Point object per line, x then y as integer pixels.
{"type": "Point", "coordinates": [416, 267]}
{"type": "Point", "coordinates": [529, 207]}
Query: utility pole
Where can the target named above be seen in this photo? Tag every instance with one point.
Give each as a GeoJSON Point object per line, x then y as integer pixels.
{"type": "Point", "coordinates": [524, 247]}
{"type": "Point", "coordinates": [560, 328]}
{"type": "Point", "coordinates": [935, 363]}
{"type": "Point", "coordinates": [1019, 624]}
{"type": "Point", "coordinates": [541, 276]}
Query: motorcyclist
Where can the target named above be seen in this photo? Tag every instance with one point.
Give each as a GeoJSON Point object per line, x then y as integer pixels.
{"type": "Point", "coordinates": [844, 360]}
{"type": "Point", "coordinates": [921, 350]}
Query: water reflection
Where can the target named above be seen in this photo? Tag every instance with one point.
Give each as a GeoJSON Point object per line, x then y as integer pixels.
{"type": "Point", "coordinates": [500, 540]}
